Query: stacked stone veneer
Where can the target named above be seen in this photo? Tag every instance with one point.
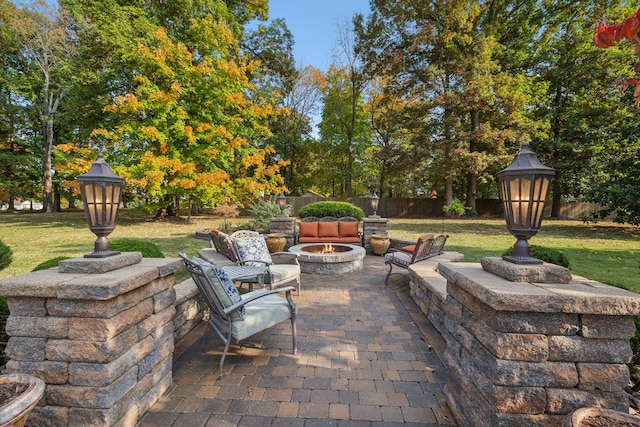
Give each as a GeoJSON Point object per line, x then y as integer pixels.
{"type": "Point", "coordinates": [372, 225]}
{"type": "Point", "coordinates": [284, 225]}
{"type": "Point", "coordinates": [101, 339]}
{"type": "Point", "coordinates": [526, 354]}
{"type": "Point", "coordinates": [428, 288]}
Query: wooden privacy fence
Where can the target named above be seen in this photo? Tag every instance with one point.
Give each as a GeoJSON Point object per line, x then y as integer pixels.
{"type": "Point", "coordinates": [429, 208]}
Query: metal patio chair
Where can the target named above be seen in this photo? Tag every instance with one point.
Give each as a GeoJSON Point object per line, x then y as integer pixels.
{"type": "Point", "coordinates": [234, 316]}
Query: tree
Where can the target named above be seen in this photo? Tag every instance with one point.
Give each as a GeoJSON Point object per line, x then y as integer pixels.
{"type": "Point", "coordinates": [617, 181]}
{"type": "Point", "coordinates": [343, 132]}
{"type": "Point", "coordinates": [47, 50]}
{"type": "Point", "coordinates": [291, 128]}
{"type": "Point", "coordinates": [467, 109]}
{"type": "Point", "coordinates": [184, 120]}
{"type": "Point", "coordinates": [343, 104]}
{"type": "Point", "coordinates": [581, 104]}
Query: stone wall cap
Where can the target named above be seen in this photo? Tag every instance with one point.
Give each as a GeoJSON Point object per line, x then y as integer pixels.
{"type": "Point", "coordinates": [538, 273]}
{"type": "Point", "coordinates": [579, 296]}
{"type": "Point", "coordinates": [52, 283]}
{"type": "Point", "coordinates": [99, 265]}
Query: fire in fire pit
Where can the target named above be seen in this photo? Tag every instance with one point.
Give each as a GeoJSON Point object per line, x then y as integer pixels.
{"type": "Point", "coordinates": [327, 248]}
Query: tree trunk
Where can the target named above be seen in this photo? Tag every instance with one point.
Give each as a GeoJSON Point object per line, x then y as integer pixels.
{"type": "Point", "coordinates": [556, 198]}
{"type": "Point", "coordinates": [472, 176]}
{"type": "Point", "coordinates": [47, 125]}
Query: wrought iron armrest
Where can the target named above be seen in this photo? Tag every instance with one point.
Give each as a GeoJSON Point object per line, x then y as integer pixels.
{"type": "Point", "coordinates": [284, 258]}
{"type": "Point", "coordinates": [256, 260]}
{"type": "Point", "coordinates": [251, 296]}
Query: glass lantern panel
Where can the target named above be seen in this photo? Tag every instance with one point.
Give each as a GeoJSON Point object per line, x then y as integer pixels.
{"type": "Point", "coordinates": [112, 202]}
{"type": "Point", "coordinates": [540, 189]}
{"type": "Point", "coordinates": [519, 193]}
{"type": "Point", "coordinates": [94, 195]}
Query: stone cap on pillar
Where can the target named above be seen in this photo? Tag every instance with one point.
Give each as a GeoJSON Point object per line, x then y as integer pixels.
{"type": "Point", "coordinates": [99, 265]}
{"type": "Point", "coordinates": [52, 283]}
{"type": "Point", "coordinates": [538, 273]}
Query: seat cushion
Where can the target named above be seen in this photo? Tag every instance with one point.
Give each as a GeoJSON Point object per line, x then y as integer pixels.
{"type": "Point", "coordinates": [282, 272]}
{"type": "Point", "coordinates": [222, 285]}
{"type": "Point", "coordinates": [253, 249]}
{"type": "Point", "coordinates": [328, 229]}
{"type": "Point", "coordinates": [348, 229]}
{"type": "Point", "coordinates": [401, 259]}
{"type": "Point", "coordinates": [309, 230]}
{"type": "Point", "coordinates": [261, 314]}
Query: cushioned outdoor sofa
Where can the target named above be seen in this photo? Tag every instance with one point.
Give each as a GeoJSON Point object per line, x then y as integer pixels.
{"type": "Point", "coordinates": [329, 230]}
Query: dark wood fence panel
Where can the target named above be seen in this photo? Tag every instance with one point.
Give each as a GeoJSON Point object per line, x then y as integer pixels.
{"type": "Point", "coordinates": [432, 208]}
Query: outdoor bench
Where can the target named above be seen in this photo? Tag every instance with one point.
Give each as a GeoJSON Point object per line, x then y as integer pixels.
{"type": "Point", "coordinates": [329, 229]}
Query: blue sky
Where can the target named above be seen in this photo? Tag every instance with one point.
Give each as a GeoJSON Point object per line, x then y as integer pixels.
{"type": "Point", "coordinates": [314, 25]}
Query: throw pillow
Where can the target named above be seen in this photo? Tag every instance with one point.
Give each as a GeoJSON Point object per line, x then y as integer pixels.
{"type": "Point", "coordinates": [309, 229]}
{"type": "Point", "coordinates": [348, 229]}
{"type": "Point", "coordinates": [328, 229]}
{"type": "Point", "coordinates": [224, 288]}
{"type": "Point", "coordinates": [253, 249]}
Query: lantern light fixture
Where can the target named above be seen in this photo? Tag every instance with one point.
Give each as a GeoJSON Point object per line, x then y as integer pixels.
{"type": "Point", "coordinates": [101, 191]}
{"type": "Point", "coordinates": [375, 200]}
{"type": "Point", "coordinates": [524, 186]}
{"type": "Point", "coordinates": [282, 203]}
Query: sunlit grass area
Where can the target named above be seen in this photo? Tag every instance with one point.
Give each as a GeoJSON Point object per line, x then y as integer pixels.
{"type": "Point", "coordinates": [606, 251]}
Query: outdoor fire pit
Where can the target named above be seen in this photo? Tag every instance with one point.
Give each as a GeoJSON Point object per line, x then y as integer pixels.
{"type": "Point", "coordinates": [329, 258]}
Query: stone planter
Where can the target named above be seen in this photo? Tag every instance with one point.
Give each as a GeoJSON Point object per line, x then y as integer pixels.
{"type": "Point", "coordinates": [599, 417]}
{"type": "Point", "coordinates": [276, 242]}
{"type": "Point", "coordinates": [16, 411]}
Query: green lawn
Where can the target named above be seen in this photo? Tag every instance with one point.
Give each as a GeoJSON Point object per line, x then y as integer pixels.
{"type": "Point", "coordinates": [606, 252]}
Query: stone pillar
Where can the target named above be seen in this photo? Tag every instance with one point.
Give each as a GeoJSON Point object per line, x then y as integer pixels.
{"type": "Point", "coordinates": [285, 225]}
{"type": "Point", "coordinates": [526, 345]}
{"type": "Point", "coordinates": [99, 332]}
{"type": "Point", "coordinates": [373, 225]}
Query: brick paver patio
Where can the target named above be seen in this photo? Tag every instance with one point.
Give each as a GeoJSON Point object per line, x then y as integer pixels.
{"type": "Point", "coordinates": [361, 362]}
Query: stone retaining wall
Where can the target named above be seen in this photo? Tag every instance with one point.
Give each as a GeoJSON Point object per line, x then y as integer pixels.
{"type": "Point", "coordinates": [190, 309]}
{"type": "Point", "coordinates": [101, 340]}
{"type": "Point", "coordinates": [526, 354]}
{"type": "Point", "coordinates": [428, 288]}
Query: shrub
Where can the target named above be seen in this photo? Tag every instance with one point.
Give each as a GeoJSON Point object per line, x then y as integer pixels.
{"type": "Point", "coordinates": [50, 263]}
{"type": "Point", "coordinates": [336, 209]}
{"type": "Point", "coordinates": [226, 211]}
{"type": "Point", "coordinates": [262, 210]}
{"type": "Point", "coordinates": [148, 249]}
{"type": "Point", "coordinates": [456, 208]}
{"type": "Point", "coordinates": [549, 255]}
{"type": "Point", "coordinates": [6, 256]}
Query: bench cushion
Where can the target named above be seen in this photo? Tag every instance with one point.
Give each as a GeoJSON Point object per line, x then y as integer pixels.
{"type": "Point", "coordinates": [401, 259]}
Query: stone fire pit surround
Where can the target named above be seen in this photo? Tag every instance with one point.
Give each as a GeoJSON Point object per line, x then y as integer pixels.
{"type": "Point", "coordinates": [329, 263]}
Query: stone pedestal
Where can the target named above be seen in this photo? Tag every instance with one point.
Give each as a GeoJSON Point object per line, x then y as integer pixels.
{"type": "Point", "coordinates": [527, 353]}
{"type": "Point", "coordinates": [372, 225]}
{"type": "Point", "coordinates": [102, 341]}
{"type": "Point", "coordinates": [284, 225]}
